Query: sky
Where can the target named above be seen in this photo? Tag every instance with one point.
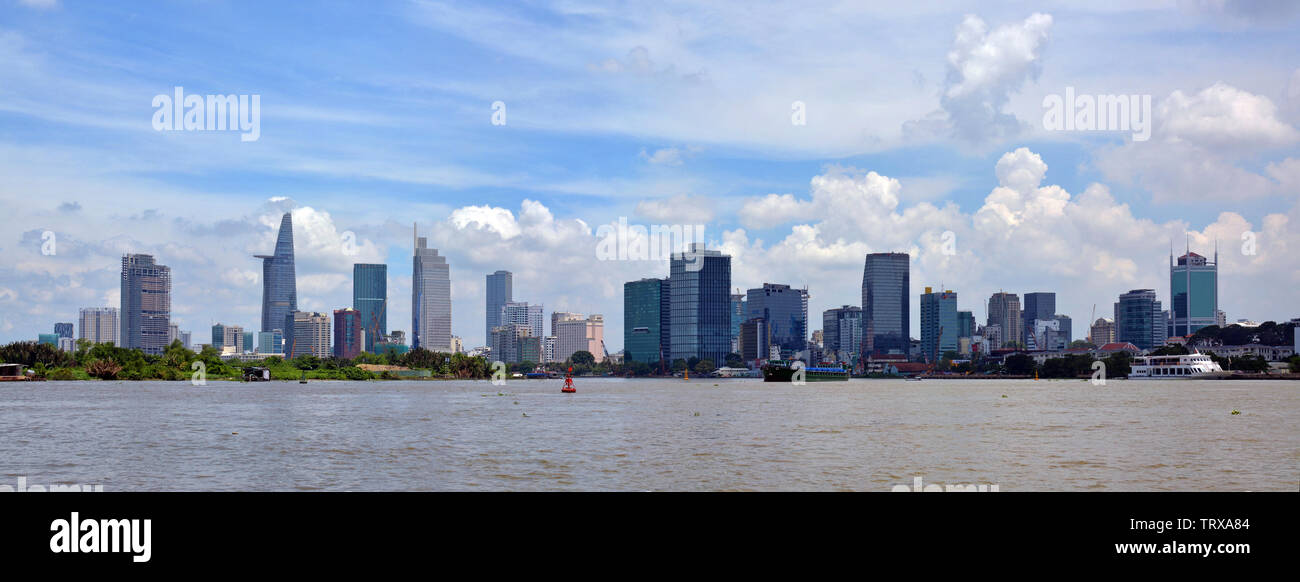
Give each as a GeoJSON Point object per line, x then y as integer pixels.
{"type": "Point", "coordinates": [801, 135]}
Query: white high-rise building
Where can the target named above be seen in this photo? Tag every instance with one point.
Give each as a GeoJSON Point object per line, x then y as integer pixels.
{"type": "Point", "coordinates": [99, 325]}
{"type": "Point", "coordinates": [430, 299]}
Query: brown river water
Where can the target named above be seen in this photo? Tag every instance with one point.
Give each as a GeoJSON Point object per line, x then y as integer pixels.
{"type": "Point", "coordinates": [652, 435]}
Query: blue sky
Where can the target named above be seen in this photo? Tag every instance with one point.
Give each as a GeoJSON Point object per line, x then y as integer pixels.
{"type": "Point", "coordinates": [919, 120]}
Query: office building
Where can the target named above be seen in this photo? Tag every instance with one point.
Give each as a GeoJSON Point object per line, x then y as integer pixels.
{"type": "Point", "coordinates": [753, 342]}
{"type": "Point", "coordinates": [1038, 306]}
{"type": "Point", "coordinates": [1139, 319]}
{"type": "Point", "coordinates": [279, 279]}
{"type": "Point", "coordinates": [228, 338]}
{"type": "Point", "coordinates": [965, 324]}
{"type": "Point", "coordinates": [699, 283]}
{"type": "Point", "coordinates": [1004, 312]}
{"type": "Point", "coordinates": [430, 299]}
{"type": "Point", "coordinates": [499, 290]}
{"type": "Point", "coordinates": [1102, 332]}
{"type": "Point", "coordinates": [270, 343]}
{"type": "Point", "coordinates": [63, 329]}
{"type": "Point", "coordinates": [520, 312]}
{"type": "Point", "coordinates": [370, 299]}
{"type": "Point", "coordinates": [310, 334]}
{"type": "Point", "coordinates": [1194, 293]}
{"type": "Point", "coordinates": [886, 310]}
{"type": "Point", "coordinates": [739, 314]}
{"type": "Point", "coordinates": [348, 333]}
{"type": "Point", "coordinates": [646, 320]}
{"type": "Point", "coordinates": [146, 303]}
{"type": "Point", "coordinates": [842, 333]}
{"type": "Point", "coordinates": [939, 325]}
{"type": "Point", "coordinates": [785, 311]}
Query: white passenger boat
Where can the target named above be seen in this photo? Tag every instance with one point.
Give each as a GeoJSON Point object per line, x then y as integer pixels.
{"type": "Point", "coordinates": [1184, 367]}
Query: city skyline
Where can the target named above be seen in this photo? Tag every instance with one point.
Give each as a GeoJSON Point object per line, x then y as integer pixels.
{"type": "Point", "coordinates": [892, 161]}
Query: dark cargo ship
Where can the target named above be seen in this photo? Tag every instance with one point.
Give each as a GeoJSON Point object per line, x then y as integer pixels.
{"type": "Point", "coordinates": [784, 371]}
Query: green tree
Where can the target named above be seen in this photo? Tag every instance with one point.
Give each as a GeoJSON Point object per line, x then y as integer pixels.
{"type": "Point", "coordinates": [583, 357]}
{"type": "Point", "coordinates": [705, 367]}
{"type": "Point", "coordinates": [1020, 365]}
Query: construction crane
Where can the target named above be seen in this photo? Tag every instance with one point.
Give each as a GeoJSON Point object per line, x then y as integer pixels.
{"type": "Point", "coordinates": [1092, 320]}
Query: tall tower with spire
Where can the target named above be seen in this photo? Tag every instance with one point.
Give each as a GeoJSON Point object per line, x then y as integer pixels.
{"type": "Point", "coordinates": [1193, 291]}
{"type": "Point", "coordinates": [279, 281]}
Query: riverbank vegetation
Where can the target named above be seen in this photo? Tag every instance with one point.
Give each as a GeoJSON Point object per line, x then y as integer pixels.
{"type": "Point", "coordinates": [109, 362]}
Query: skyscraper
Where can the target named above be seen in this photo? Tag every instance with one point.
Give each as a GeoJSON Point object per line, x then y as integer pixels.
{"type": "Point", "coordinates": [146, 303]}
{"type": "Point", "coordinates": [279, 281]}
{"type": "Point", "coordinates": [500, 290]}
{"type": "Point", "coordinates": [842, 332]}
{"type": "Point", "coordinates": [886, 312]}
{"type": "Point", "coordinates": [348, 326]}
{"type": "Point", "coordinates": [699, 283]}
{"type": "Point", "coordinates": [784, 309]}
{"type": "Point", "coordinates": [1004, 312]}
{"type": "Point", "coordinates": [738, 316]}
{"type": "Point", "coordinates": [965, 323]}
{"type": "Point", "coordinates": [63, 329]}
{"type": "Point", "coordinates": [370, 299]}
{"type": "Point", "coordinates": [1038, 306]}
{"type": "Point", "coordinates": [430, 299]}
{"type": "Point", "coordinates": [939, 325]}
{"type": "Point", "coordinates": [1194, 293]}
{"type": "Point", "coordinates": [531, 316]}
{"type": "Point", "coordinates": [310, 334]}
{"type": "Point", "coordinates": [1138, 319]}
{"type": "Point", "coordinates": [645, 321]}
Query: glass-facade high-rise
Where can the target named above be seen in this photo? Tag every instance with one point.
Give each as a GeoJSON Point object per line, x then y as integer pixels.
{"type": "Point", "coordinates": [1194, 293]}
{"type": "Point", "coordinates": [1139, 319]}
{"type": "Point", "coordinates": [146, 303]}
{"type": "Point", "coordinates": [530, 316]}
{"type": "Point", "coordinates": [63, 329]}
{"type": "Point", "coordinates": [1039, 306]}
{"type": "Point", "coordinates": [940, 327]}
{"type": "Point", "coordinates": [738, 316]}
{"type": "Point", "coordinates": [965, 323]}
{"type": "Point", "coordinates": [645, 321]}
{"type": "Point", "coordinates": [785, 310]}
{"type": "Point", "coordinates": [370, 299]}
{"type": "Point", "coordinates": [699, 283]}
{"type": "Point", "coordinates": [500, 291]}
{"type": "Point", "coordinates": [430, 299]}
{"type": "Point", "coordinates": [279, 281]}
{"type": "Point", "coordinates": [842, 333]}
{"type": "Point", "coordinates": [886, 311]}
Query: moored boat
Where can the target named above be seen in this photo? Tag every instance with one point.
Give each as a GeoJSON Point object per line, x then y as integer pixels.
{"type": "Point", "coordinates": [785, 371]}
{"type": "Point", "coordinates": [1176, 367]}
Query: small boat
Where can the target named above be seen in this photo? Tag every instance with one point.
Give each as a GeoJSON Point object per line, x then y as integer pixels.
{"type": "Point", "coordinates": [568, 383]}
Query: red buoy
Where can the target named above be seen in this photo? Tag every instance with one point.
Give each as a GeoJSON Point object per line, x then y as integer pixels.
{"type": "Point", "coordinates": [568, 383]}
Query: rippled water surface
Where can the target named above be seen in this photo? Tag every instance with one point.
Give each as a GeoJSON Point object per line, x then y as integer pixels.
{"type": "Point", "coordinates": [653, 435]}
